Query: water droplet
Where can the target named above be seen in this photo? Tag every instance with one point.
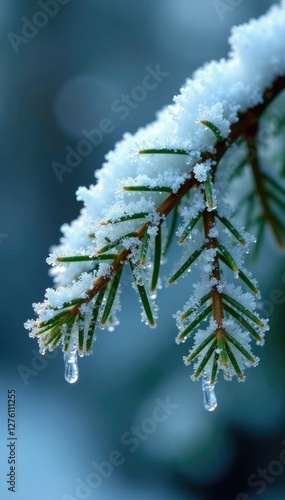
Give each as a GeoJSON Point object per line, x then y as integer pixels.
{"type": "Point", "coordinates": [71, 367]}
{"type": "Point", "coordinates": [209, 397]}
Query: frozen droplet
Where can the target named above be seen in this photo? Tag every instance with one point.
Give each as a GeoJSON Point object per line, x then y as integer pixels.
{"type": "Point", "coordinates": [209, 397]}
{"type": "Point", "coordinates": [153, 295]}
{"type": "Point", "coordinates": [71, 367]}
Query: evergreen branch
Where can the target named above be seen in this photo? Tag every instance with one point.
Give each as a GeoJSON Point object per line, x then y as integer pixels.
{"type": "Point", "coordinates": [215, 277]}
{"type": "Point", "coordinates": [222, 306]}
{"type": "Point", "coordinates": [246, 121]}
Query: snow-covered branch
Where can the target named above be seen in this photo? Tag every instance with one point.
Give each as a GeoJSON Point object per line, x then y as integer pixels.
{"type": "Point", "coordinates": [178, 167]}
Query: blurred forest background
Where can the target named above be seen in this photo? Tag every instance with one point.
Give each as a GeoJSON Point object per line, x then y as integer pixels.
{"type": "Point", "coordinates": [62, 80]}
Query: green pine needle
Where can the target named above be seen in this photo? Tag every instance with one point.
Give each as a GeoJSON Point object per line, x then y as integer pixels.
{"type": "Point", "coordinates": [214, 129]}
{"type": "Point", "coordinates": [242, 276]}
{"type": "Point", "coordinates": [144, 299]}
{"type": "Point", "coordinates": [221, 344]}
{"type": "Point", "coordinates": [69, 325]}
{"type": "Point", "coordinates": [113, 244]}
{"type": "Point", "coordinates": [125, 218]}
{"type": "Point", "coordinates": [144, 247]}
{"type": "Point", "coordinates": [195, 323]}
{"type": "Point", "coordinates": [172, 228]}
{"type": "Point", "coordinates": [186, 264]}
{"type": "Point", "coordinates": [155, 189]}
{"type": "Point", "coordinates": [231, 228]}
{"type": "Point", "coordinates": [238, 346]}
{"type": "Point", "coordinates": [86, 258]}
{"type": "Point", "coordinates": [164, 151]}
{"type": "Point", "coordinates": [243, 310]}
{"type": "Point", "coordinates": [243, 322]}
{"type": "Point", "coordinates": [214, 369]}
{"type": "Point", "coordinates": [234, 363]}
{"type": "Point", "coordinates": [113, 287]}
{"type": "Point", "coordinates": [196, 306]}
{"type": "Point", "coordinates": [205, 360]}
{"type": "Point", "coordinates": [189, 227]}
{"type": "Point", "coordinates": [95, 313]}
{"type": "Point", "coordinates": [80, 332]}
{"type": "Point", "coordinates": [209, 191]}
{"type": "Point", "coordinates": [197, 351]}
{"type": "Point", "coordinates": [229, 258]}
{"type": "Point", "coordinates": [157, 259]}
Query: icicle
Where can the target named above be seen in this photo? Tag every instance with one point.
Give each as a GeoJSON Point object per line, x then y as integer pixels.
{"type": "Point", "coordinates": [71, 367]}
{"type": "Point", "coordinates": [209, 397]}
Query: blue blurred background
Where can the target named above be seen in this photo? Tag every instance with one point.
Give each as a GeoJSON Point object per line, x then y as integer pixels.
{"type": "Point", "coordinates": [56, 83]}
